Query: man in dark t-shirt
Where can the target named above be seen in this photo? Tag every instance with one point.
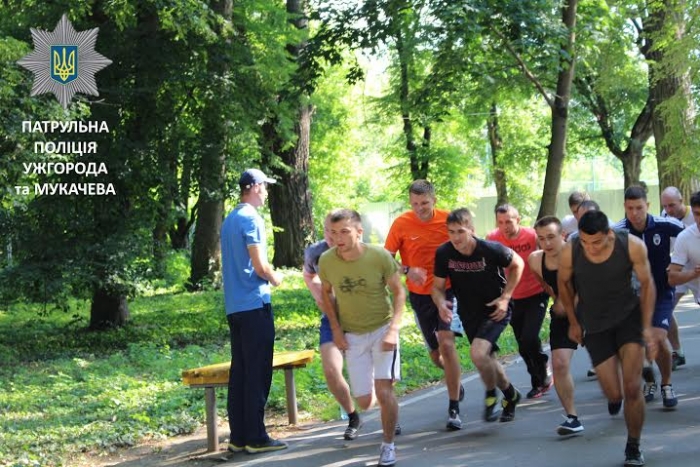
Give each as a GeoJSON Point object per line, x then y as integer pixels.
{"type": "Point", "coordinates": [616, 321]}
{"type": "Point", "coordinates": [483, 275]}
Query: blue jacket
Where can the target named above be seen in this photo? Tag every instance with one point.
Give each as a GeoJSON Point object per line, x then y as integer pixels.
{"type": "Point", "coordinates": [657, 237]}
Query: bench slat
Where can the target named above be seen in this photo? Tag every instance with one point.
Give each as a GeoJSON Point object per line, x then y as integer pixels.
{"type": "Point", "coordinates": [218, 373]}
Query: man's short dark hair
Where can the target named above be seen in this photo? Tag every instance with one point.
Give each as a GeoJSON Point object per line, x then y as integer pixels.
{"type": "Point", "coordinates": [695, 200]}
{"type": "Point", "coordinates": [588, 205]}
{"type": "Point", "coordinates": [593, 222]}
{"type": "Point", "coordinates": [635, 192]}
{"type": "Point", "coordinates": [461, 216]}
{"type": "Point", "coordinates": [577, 197]}
{"type": "Point", "coordinates": [546, 220]}
{"type": "Point", "coordinates": [506, 209]}
{"type": "Point", "coordinates": [422, 187]}
{"type": "Point", "coordinates": [345, 214]}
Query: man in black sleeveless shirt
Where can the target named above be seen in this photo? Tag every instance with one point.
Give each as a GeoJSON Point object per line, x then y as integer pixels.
{"type": "Point", "coordinates": [544, 264]}
{"type": "Point", "coordinates": [616, 323]}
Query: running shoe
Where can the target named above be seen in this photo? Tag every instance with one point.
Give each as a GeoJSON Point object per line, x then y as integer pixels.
{"type": "Point", "coordinates": [508, 412]}
{"type": "Point", "coordinates": [633, 456]}
{"type": "Point", "coordinates": [570, 426]}
{"type": "Point", "coordinates": [649, 391]}
{"type": "Point", "coordinates": [235, 448]}
{"type": "Point", "coordinates": [540, 391]}
{"type": "Point", "coordinates": [387, 455]}
{"type": "Point", "coordinates": [270, 445]}
{"type": "Point", "coordinates": [614, 407]}
{"type": "Point", "coordinates": [461, 392]}
{"type": "Point", "coordinates": [397, 429]}
{"type": "Point", "coordinates": [677, 359]}
{"type": "Point", "coordinates": [453, 421]}
{"type": "Point", "coordinates": [491, 411]}
{"type": "Point", "coordinates": [352, 429]}
{"type": "Point", "coordinates": [591, 373]}
{"type": "Point", "coordinates": [668, 396]}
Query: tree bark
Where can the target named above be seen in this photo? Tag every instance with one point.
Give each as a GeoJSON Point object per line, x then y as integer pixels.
{"type": "Point", "coordinates": [666, 20]}
{"type": "Point", "coordinates": [206, 248]}
{"type": "Point", "coordinates": [560, 114]}
{"type": "Point", "coordinates": [108, 309]}
{"type": "Point", "coordinates": [496, 143]}
{"type": "Point", "coordinates": [290, 198]}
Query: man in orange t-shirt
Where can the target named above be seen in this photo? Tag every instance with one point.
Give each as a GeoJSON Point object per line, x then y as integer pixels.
{"type": "Point", "coordinates": [529, 299]}
{"type": "Point", "coordinates": [416, 235]}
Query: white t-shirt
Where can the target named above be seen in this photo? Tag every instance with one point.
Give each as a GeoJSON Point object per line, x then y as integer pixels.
{"type": "Point", "coordinates": [687, 220]}
{"type": "Point", "coordinates": [686, 253]}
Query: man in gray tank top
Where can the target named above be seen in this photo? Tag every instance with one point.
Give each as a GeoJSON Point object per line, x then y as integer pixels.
{"type": "Point", "coordinates": [616, 324]}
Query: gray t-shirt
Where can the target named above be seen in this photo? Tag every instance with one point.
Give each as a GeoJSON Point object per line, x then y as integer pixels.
{"type": "Point", "coordinates": [311, 255]}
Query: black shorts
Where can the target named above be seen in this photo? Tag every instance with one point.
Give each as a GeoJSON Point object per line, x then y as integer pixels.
{"type": "Point", "coordinates": [605, 344]}
{"type": "Point", "coordinates": [479, 325]}
{"type": "Point", "coordinates": [559, 332]}
{"type": "Point", "coordinates": [428, 317]}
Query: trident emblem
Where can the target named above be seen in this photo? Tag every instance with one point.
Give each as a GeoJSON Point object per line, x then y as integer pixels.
{"type": "Point", "coordinates": [64, 63]}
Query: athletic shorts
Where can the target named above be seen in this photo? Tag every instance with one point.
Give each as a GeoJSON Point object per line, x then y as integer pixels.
{"type": "Point", "coordinates": [429, 321]}
{"type": "Point", "coordinates": [663, 310]}
{"type": "Point", "coordinates": [559, 332]}
{"type": "Point", "coordinates": [605, 344]}
{"type": "Point", "coordinates": [366, 361]}
{"type": "Point", "coordinates": [478, 325]}
{"type": "Point", "coordinates": [325, 334]}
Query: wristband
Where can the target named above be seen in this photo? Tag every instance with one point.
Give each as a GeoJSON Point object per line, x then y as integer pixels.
{"type": "Point", "coordinates": [405, 270]}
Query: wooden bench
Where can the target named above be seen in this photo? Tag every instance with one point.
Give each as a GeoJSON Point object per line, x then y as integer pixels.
{"type": "Point", "coordinates": [214, 376]}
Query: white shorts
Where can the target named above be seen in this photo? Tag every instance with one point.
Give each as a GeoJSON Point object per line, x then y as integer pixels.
{"type": "Point", "coordinates": [366, 361]}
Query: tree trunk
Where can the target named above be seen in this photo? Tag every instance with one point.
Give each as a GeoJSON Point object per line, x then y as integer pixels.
{"type": "Point", "coordinates": [560, 110]}
{"type": "Point", "coordinates": [206, 248]}
{"type": "Point", "coordinates": [496, 143]}
{"type": "Point", "coordinates": [290, 199]}
{"type": "Point", "coordinates": [672, 128]}
{"type": "Point", "coordinates": [108, 310]}
{"type": "Point", "coordinates": [179, 234]}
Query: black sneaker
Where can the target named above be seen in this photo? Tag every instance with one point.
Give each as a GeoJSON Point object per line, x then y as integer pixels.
{"type": "Point", "coordinates": [633, 456]}
{"type": "Point", "coordinates": [570, 426]}
{"type": "Point", "coordinates": [491, 411]}
{"type": "Point", "coordinates": [453, 421]}
{"type": "Point", "coordinates": [397, 429]}
{"type": "Point", "coordinates": [461, 389]}
{"type": "Point", "coordinates": [614, 407]}
{"type": "Point", "coordinates": [677, 360]}
{"type": "Point", "coordinates": [591, 373]}
{"type": "Point", "coordinates": [508, 413]}
{"type": "Point", "coordinates": [270, 445]}
{"type": "Point", "coordinates": [235, 448]}
{"type": "Point", "coordinates": [351, 431]}
{"type": "Point", "coordinates": [649, 391]}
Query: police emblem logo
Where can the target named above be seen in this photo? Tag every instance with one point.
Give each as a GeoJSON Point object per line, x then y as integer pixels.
{"type": "Point", "coordinates": [657, 239]}
{"type": "Point", "coordinates": [64, 62]}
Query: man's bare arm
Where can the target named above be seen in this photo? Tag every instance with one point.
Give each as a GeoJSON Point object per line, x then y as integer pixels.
{"type": "Point", "coordinates": [677, 276]}
{"type": "Point", "coordinates": [262, 267]}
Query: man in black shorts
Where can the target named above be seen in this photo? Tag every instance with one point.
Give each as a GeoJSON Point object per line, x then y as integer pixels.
{"type": "Point", "coordinates": [616, 321]}
{"type": "Point", "coordinates": [483, 275]}
{"type": "Point", "coordinates": [544, 265]}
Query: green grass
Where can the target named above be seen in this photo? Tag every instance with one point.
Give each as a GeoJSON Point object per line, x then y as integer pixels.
{"type": "Point", "coordinates": [65, 390]}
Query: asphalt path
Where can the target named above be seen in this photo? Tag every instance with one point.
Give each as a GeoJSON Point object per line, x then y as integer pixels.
{"type": "Point", "coordinates": [670, 438]}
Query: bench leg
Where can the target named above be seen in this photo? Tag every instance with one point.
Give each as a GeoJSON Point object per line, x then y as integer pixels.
{"type": "Point", "coordinates": [291, 388]}
{"type": "Point", "coordinates": [212, 425]}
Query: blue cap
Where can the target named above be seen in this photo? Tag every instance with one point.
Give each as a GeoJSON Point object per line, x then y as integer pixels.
{"type": "Point", "coordinates": [254, 177]}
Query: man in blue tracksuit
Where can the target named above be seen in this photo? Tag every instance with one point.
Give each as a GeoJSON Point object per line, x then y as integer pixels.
{"type": "Point", "coordinates": [656, 233]}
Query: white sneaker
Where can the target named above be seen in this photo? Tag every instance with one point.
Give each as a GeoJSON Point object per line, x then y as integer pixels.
{"type": "Point", "coordinates": [387, 455]}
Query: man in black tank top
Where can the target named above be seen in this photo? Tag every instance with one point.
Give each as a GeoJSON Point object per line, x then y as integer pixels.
{"type": "Point", "coordinates": [544, 264]}
{"type": "Point", "coordinates": [615, 322]}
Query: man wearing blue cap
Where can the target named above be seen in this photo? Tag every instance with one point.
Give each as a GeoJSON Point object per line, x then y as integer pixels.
{"type": "Point", "coordinates": [247, 278]}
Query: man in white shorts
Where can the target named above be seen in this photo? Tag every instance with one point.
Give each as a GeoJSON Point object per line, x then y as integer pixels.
{"type": "Point", "coordinates": [672, 202]}
{"type": "Point", "coordinates": [356, 280]}
{"type": "Point", "coordinates": [685, 260]}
